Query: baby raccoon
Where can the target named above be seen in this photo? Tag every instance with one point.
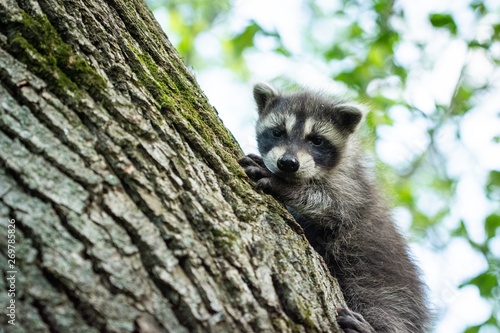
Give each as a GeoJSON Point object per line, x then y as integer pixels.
{"type": "Point", "coordinates": [311, 162]}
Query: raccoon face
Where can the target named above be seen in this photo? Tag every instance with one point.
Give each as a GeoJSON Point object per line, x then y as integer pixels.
{"type": "Point", "coordinates": [303, 135]}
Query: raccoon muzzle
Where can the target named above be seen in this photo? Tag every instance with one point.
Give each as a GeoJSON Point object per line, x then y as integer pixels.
{"type": "Point", "coordinates": [288, 163]}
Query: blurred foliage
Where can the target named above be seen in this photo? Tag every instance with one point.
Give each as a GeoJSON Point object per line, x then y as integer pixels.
{"type": "Point", "coordinates": [360, 47]}
{"type": "Point", "coordinates": [189, 19]}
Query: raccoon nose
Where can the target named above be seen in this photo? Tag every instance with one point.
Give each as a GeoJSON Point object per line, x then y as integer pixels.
{"type": "Point", "coordinates": [288, 163]}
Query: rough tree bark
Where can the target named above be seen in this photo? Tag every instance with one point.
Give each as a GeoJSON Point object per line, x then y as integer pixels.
{"type": "Point", "coordinates": [130, 210]}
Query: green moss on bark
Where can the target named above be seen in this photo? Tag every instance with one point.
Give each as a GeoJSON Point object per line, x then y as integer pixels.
{"type": "Point", "coordinates": [176, 101]}
{"type": "Point", "coordinates": [34, 41]}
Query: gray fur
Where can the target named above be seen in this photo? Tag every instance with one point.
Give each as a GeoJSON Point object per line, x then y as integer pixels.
{"type": "Point", "coordinates": [340, 208]}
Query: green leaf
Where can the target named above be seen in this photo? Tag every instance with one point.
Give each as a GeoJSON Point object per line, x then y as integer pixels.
{"type": "Point", "coordinates": [283, 51]}
{"type": "Point", "coordinates": [472, 329]}
{"type": "Point", "coordinates": [460, 231]}
{"type": "Point", "coordinates": [490, 325]}
{"type": "Point", "coordinates": [477, 44]}
{"type": "Point", "coordinates": [245, 39]}
{"type": "Point", "coordinates": [444, 21]}
{"type": "Point", "coordinates": [491, 224]}
{"type": "Point", "coordinates": [377, 56]}
{"type": "Point", "coordinates": [335, 52]}
{"type": "Point", "coordinates": [355, 31]}
{"type": "Point", "coordinates": [405, 194]}
{"type": "Point", "coordinates": [486, 282]}
{"type": "Point", "coordinates": [496, 31]}
{"type": "Point", "coordinates": [493, 185]}
{"type": "Point", "coordinates": [479, 7]}
{"type": "Point", "coordinates": [462, 100]}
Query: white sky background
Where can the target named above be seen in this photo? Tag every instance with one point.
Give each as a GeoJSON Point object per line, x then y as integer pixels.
{"type": "Point", "coordinates": [443, 269]}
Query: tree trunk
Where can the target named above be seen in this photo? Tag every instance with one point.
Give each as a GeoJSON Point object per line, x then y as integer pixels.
{"type": "Point", "coordinates": [122, 206]}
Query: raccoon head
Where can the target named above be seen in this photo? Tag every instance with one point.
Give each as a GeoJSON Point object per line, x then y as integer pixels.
{"type": "Point", "coordinates": [302, 136]}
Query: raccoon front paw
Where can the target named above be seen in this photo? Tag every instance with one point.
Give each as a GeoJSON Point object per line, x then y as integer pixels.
{"type": "Point", "coordinates": [254, 167]}
{"type": "Point", "coordinates": [353, 322]}
{"type": "Point", "coordinates": [256, 170]}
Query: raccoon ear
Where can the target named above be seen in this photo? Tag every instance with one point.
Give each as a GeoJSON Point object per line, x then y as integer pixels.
{"type": "Point", "coordinates": [263, 93]}
{"type": "Point", "coordinates": [348, 116]}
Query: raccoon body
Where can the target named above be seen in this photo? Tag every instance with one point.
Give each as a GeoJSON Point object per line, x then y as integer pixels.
{"type": "Point", "coordinates": [311, 161]}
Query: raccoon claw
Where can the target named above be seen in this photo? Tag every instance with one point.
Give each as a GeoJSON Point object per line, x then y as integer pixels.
{"type": "Point", "coordinates": [254, 167]}
{"type": "Point", "coordinates": [252, 159]}
{"type": "Point", "coordinates": [353, 322]}
{"type": "Point", "coordinates": [264, 185]}
{"type": "Point", "coordinates": [256, 173]}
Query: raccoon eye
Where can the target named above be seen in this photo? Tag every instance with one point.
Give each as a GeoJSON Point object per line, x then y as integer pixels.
{"type": "Point", "coordinates": [277, 133]}
{"type": "Point", "coordinates": [316, 141]}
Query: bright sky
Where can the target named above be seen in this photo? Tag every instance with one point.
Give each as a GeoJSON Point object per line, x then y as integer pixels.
{"type": "Point", "coordinates": [444, 269]}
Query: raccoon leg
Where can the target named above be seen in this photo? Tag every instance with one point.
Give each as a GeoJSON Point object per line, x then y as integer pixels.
{"type": "Point", "coordinates": [353, 322]}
